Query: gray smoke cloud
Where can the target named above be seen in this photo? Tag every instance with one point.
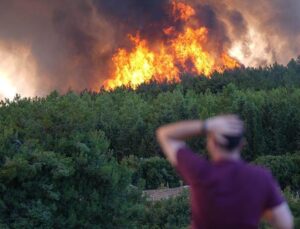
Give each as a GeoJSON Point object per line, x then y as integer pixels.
{"type": "Point", "coordinates": [73, 41]}
{"type": "Point", "coordinates": [69, 40]}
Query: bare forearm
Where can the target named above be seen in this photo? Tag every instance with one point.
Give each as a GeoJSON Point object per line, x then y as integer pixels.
{"type": "Point", "coordinates": [181, 130]}
{"type": "Point", "coordinates": [280, 217]}
{"type": "Point", "coordinates": [171, 137]}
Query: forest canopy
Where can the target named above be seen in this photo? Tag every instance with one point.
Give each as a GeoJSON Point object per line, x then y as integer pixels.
{"type": "Point", "coordinates": [83, 159]}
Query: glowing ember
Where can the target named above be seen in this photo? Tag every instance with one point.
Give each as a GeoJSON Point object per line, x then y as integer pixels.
{"type": "Point", "coordinates": [184, 51]}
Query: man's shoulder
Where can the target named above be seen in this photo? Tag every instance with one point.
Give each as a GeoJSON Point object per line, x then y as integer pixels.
{"type": "Point", "coordinates": [257, 170]}
{"type": "Point", "coordinates": [187, 152]}
{"type": "Point", "coordinates": [191, 166]}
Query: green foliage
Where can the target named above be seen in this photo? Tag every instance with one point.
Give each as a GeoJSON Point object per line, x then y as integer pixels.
{"type": "Point", "coordinates": [286, 168]}
{"type": "Point", "coordinates": [153, 173]}
{"type": "Point", "coordinates": [172, 213]}
{"type": "Point", "coordinates": [272, 117]}
{"type": "Point", "coordinates": [82, 188]}
{"type": "Point", "coordinates": [129, 118]}
{"type": "Point", "coordinates": [70, 161]}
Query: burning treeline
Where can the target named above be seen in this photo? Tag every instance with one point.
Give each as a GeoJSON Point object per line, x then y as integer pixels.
{"type": "Point", "coordinates": [86, 44]}
{"type": "Point", "coordinates": [183, 47]}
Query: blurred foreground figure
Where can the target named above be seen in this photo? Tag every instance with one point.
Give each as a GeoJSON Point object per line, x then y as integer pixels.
{"type": "Point", "coordinates": [226, 192]}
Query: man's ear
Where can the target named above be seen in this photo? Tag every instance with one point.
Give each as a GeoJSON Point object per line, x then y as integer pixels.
{"type": "Point", "coordinates": [243, 143]}
{"type": "Point", "coordinates": [214, 141]}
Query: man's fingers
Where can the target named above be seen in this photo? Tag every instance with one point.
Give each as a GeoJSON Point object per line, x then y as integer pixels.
{"type": "Point", "coordinates": [232, 131]}
{"type": "Point", "coordinates": [232, 127]}
{"type": "Point", "coordinates": [226, 125]}
{"type": "Point", "coordinates": [221, 139]}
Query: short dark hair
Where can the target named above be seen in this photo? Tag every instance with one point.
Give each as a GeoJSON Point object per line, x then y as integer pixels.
{"type": "Point", "coordinates": [232, 142]}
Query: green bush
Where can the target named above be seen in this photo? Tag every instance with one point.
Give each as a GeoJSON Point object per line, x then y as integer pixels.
{"type": "Point", "coordinates": [85, 188]}
{"type": "Point", "coordinates": [172, 213]}
{"type": "Point", "coordinates": [153, 172]}
{"type": "Point", "coordinates": [286, 168]}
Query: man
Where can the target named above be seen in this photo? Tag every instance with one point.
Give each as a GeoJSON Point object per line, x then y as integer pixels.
{"type": "Point", "coordinates": [226, 192]}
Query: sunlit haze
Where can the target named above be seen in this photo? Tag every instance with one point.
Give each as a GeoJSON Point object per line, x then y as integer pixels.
{"type": "Point", "coordinates": [17, 71]}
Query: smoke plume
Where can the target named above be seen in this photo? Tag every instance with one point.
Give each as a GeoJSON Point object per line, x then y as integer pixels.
{"type": "Point", "coordinates": [71, 42]}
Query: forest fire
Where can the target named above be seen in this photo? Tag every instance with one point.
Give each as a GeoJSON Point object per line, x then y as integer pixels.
{"type": "Point", "coordinates": [181, 51]}
{"type": "Point", "coordinates": [105, 44]}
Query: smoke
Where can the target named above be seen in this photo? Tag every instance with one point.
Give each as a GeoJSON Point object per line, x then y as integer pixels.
{"type": "Point", "coordinates": [261, 32]}
{"type": "Point", "coordinates": [72, 41]}
{"type": "Point", "coordinates": [17, 71]}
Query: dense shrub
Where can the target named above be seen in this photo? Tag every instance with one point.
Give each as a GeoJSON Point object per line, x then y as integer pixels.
{"type": "Point", "coordinates": [84, 188]}
{"type": "Point", "coordinates": [153, 173]}
{"type": "Point", "coordinates": [286, 168]}
{"type": "Point", "coordinates": [173, 213]}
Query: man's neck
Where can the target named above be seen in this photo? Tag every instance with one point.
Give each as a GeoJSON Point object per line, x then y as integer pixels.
{"type": "Point", "coordinates": [228, 156]}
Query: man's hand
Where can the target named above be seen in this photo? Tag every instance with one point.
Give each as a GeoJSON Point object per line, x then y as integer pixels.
{"type": "Point", "coordinates": [228, 125]}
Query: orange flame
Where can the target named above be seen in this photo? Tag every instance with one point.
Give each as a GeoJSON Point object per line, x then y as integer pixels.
{"type": "Point", "coordinates": [184, 51]}
{"type": "Point", "coordinates": [141, 65]}
{"type": "Point", "coordinates": [182, 11]}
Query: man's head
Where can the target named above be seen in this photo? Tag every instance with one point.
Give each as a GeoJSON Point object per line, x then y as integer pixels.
{"type": "Point", "coordinates": [225, 137]}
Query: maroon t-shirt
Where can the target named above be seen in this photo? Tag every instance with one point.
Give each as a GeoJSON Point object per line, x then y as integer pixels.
{"type": "Point", "coordinates": [227, 194]}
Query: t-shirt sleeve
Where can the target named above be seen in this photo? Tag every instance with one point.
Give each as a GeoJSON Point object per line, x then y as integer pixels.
{"type": "Point", "coordinates": [190, 166]}
{"type": "Point", "coordinates": [274, 196]}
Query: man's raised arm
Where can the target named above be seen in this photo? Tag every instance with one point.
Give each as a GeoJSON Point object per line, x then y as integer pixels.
{"type": "Point", "coordinates": [171, 137]}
